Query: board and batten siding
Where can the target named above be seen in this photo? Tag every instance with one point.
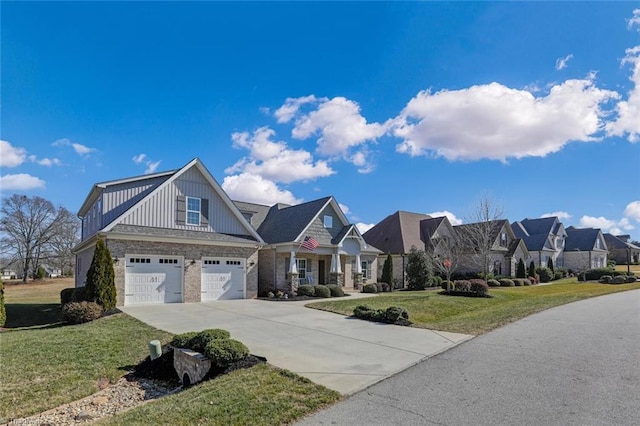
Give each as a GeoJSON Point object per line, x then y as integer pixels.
{"type": "Point", "coordinates": [117, 199]}
{"type": "Point", "coordinates": [160, 210]}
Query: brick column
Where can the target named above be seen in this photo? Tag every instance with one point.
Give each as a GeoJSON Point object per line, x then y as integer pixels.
{"type": "Point", "coordinates": [357, 281]}
{"type": "Point", "coordinates": [292, 284]}
{"type": "Point", "coordinates": [336, 278]}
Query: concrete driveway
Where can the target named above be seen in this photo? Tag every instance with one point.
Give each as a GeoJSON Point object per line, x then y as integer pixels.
{"type": "Point", "coordinates": [341, 353]}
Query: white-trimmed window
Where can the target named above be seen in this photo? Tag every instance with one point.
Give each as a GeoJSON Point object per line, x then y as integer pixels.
{"type": "Point", "coordinates": [503, 239]}
{"type": "Point", "coordinates": [366, 269]}
{"type": "Point", "coordinates": [328, 221]}
{"type": "Point", "coordinates": [193, 211]}
{"type": "Point", "coordinates": [302, 268]}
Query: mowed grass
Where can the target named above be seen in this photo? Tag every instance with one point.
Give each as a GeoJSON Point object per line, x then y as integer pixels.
{"type": "Point", "coordinates": [428, 309]}
{"type": "Point", "coordinates": [45, 363]}
{"type": "Point", "coordinates": [261, 395]}
{"type": "Point", "coordinates": [631, 268]}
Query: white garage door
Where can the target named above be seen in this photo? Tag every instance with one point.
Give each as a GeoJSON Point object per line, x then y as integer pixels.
{"type": "Point", "coordinates": [153, 279]}
{"type": "Point", "coordinates": [223, 278]}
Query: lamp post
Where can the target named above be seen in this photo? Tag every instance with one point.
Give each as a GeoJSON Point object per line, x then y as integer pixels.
{"type": "Point", "coordinates": [628, 260]}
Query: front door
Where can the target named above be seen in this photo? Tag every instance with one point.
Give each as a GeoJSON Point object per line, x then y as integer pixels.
{"type": "Point", "coordinates": [321, 277]}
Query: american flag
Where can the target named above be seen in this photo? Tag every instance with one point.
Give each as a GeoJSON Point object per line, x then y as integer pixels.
{"type": "Point", "coordinates": [310, 243]}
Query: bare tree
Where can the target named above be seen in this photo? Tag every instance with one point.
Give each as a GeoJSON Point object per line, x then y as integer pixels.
{"type": "Point", "coordinates": [27, 227]}
{"type": "Point", "coordinates": [478, 236]}
{"type": "Point", "coordinates": [446, 257]}
{"type": "Point", "coordinates": [66, 237]}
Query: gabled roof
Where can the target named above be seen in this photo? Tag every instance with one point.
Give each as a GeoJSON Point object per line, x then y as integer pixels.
{"type": "Point", "coordinates": [172, 176]}
{"type": "Point", "coordinates": [495, 227]}
{"type": "Point", "coordinates": [614, 242]}
{"type": "Point", "coordinates": [541, 225]}
{"type": "Point", "coordinates": [428, 227]}
{"type": "Point", "coordinates": [397, 232]}
{"type": "Point", "coordinates": [514, 246]}
{"type": "Point", "coordinates": [537, 242]}
{"type": "Point", "coordinates": [288, 223]}
{"type": "Point", "coordinates": [258, 211]}
{"type": "Point", "coordinates": [582, 239]}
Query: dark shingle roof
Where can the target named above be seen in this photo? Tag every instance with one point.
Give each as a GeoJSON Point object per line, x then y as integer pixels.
{"type": "Point", "coordinates": [581, 239]}
{"type": "Point", "coordinates": [428, 227]}
{"type": "Point", "coordinates": [284, 224]}
{"type": "Point", "coordinates": [259, 212]}
{"type": "Point", "coordinates": [542, 225]}
{"type": "Point", "coordinates": [397, 232]}
{"type": "Point", "coordinates": [536, 242]}
{"type": "Point", "coordinates": [496, 226]}
{"type": "Point", "coordinates": [614, 242]}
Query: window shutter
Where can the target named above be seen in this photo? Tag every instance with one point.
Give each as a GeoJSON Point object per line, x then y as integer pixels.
{"type": "Point", "coordinates": [181, 210]}
{"type": "Point", "coordinates": [309, 262]}
{"type": "Point", "coordinates": [204, 212]}
{"type": "Point", "coordinates": [287, 263]}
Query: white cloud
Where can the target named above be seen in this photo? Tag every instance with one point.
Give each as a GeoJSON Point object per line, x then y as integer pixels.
{"type": "Point", "coordinates": [345, 208]}
{"type": "Point", "coordinates": [340, 127]}
{"type": "Point", "coordinates": [496, 122]}
{"type": "Point", "coordinates": [48, 162]}
{"type": "Point", "coordinates": [138, 159]}
{"type": "Point", "coordinates": [291, 106]}
{"type": "Point", "coordinates": [78, 148]}
{"type": "Point", "coordinates": [151, 167]}
{"type": "Point", "coordinates": [632, 210]}
{"type": "Point", "coordinates": [558, 214]}
{"type": "Point", "coordinates": [20, 182]}
{"type": "Point", "coordinates": [635, 20]}
{"type": "Point", "coordinates": [606, 225]}
{"type": "Point", "coordinates": [275, 161]}
{"type": "Point", "coordinates": [561, 63]}
{"type": "Point", "coordinates": [11, 156]}
{"type": "Point", "coordinates": [255, 189]}
{"type": "Point", "coordinates": [452, 217]}
{"type": "Point", "coordinates": [628, 120]}
{"type": "Point", "coordinates": [364, 227]}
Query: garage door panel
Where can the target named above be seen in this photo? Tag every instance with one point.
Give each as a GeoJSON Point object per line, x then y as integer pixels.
{"type": "Point", "coordinates": [222, 279]}
{"type": "Point", "coordinates": [153, 279]}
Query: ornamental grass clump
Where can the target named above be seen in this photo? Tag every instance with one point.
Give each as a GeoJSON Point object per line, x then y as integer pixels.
{"type": "Point", "coordinates": [81, 312]}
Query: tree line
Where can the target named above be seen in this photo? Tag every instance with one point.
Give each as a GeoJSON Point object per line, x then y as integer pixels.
{"type": "Point", "coordinates": [33, 233]}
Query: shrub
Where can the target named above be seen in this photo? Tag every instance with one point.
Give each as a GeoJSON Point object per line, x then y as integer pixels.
{"type": "Point", "coordinates": [369, 288]}
{"type": "Point", "coordinates": [100, 285]}
{"type": "Point", "coordinates": [387, 270]}
{"type": "Point", "coordinates": [605, 279]}
{"type": "Point", "coordinates": [506, 282]}
{"type": "Point", "coordinates": [526, 281]}
{"type": "Point", "coordinates": [224, 352]}
{"type": "Point", "coordinates": [618, 280]}
{"type": "Point", "coordinates": [596, 274]}
{"type": "Point", "coordinates": [462, 285]}
{"type": "Point", "coordinates": [270, 295]}
{"type": "Point", "coordinates": [3, 310]}
{"type": "Point", "coordinates": [521, 271]}
{"type": "Point", "coordinates": [383, 287]}
{"type": "Point", "coordinates": [493, 283]}
{"type": "Point", "coordinates": [203, 338]}
{"type": "Point", "coordinates": [379, 287]}
{"type": "Point", "coordinates": [631, 279]}
{"type": "Point", "coordinates": [418, 269]}
{"type": "Point", "coordinates": [40, 273]}
{"type": "Point", "coordinates": [443, 285]}
{"type": "Point", "coordinates": [519, 282]}
{"type": "Point", "coordinates": [66, 295]}
{"type": "Point", "coordinates": [80, 294]}
{"type": "Point", "coordinates": [183, 340]}
{"type": "Point", "coordinates": [437, 281]}
{"type": "Point", "coordinates": [322, 291]}
{"type": "Point", "coordinates": [306, 290]}
{"type": "Point", "coordinates": [533, 280]}
{"type": "Point", "coordinates": [550, 265]}
{"type": "Point", "coordinates": [479, 287]}
{"type": "Point", "coordinates": [335, 290]}
{"type": "Point", "coordinates": [545, 274]}
{"type": "Point", "coordinates": [532, 269]}
{"type": "Point", "coordinates": [395, 313]}
{"type": "Point", "coordinates": [361, 311]}
{"type": "Point", "coordinates": [563, 272]}
{"type": "Point", "coordinates": [81, 312]}
{"type": "Point", "coordinates": [557, 275]}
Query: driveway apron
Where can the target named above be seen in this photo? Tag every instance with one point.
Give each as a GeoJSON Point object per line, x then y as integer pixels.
{"type": "Point", "coordinates": [339, 352]}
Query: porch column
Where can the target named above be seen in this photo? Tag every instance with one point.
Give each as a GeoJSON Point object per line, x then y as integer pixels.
{"type": "Point", "coordinates": [357, 275]}
{"type": "Point", "coordinates": [335, 275]}
{"type": "Point", "coordinates": [292, 283]}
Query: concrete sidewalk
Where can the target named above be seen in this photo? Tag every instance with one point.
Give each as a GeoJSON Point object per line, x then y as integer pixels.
{"type": "Point", "coordinates": [341, 353]}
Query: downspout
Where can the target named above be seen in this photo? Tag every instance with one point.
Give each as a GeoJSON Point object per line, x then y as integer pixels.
{"type": "Point", "coordinates": [275, 268]}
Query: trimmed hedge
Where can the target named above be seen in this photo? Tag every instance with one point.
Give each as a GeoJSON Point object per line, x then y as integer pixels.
{"type": "Point", "coordinates": [506, 282]}
{"type": "Point", "coordinates": [545, 274]}
{"type": "Point", "coordinates": [322, 291]}
{"type": "Point", "coordinates": [479, 287]}
{"type": "Point", "coordinates": [618, 279]}
{"type": "Point", "coordinates": [462, 285]}
{"type": "Point", "coordinates": [306, 290]}
{"type": "Point", "coordinates": [369, 288]}
{"type": "Point", "coordinates": [335, 290]}
{"type": "Point", "coordinates": [493, 283]}
{"type": "Point", "coordinates": [183, 340]}
{"type": "Point", "coordinates": [224, 352]}
{"type": "Point", "coordinates": [392, 315]}
{"type": "Point", "coordinates": [596, 274]}
{"type": "Point", "coordinates": [81, 312]}
{"type": "Point", "coordinates": [66, 295]}
{"type": "Point", "coordinates": [519, 282]}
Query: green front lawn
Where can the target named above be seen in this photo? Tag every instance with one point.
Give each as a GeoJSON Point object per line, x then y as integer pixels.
{"type": "Point", "coordinates": [428, 309]}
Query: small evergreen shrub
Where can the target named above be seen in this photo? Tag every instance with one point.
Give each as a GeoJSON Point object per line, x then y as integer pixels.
{"type": "Point", "coordinates": [506, 282]}
{"type": "Point", "coordinates": [369, 288]}
{"type": "Point", "coordinates": [479, 287]}
{"type": "Point", "coordinates": [532, 269]}
{"type": "Point", "coordinates": [545, 274]}
{"type": "Point", "coordinates": [443, 284]}
{"type": "Point", "coordinates": [100, 285]}
{"type": "Point", "coordinates": [631, 279]}
{"type": "Point", "coordinates": [526, 281]}
{"type": "Point", "coordinates": [3, 310]}
{"type": "Point", "coordinates": [361, 311]}
{"type": "Point", "coordinates": [493, 283]}
{"type": "Point", "coordinates": [66, 295]}
{"type": "Point", "coordinates": [533, 280]}
{"type": "Point", "coordinates": [383, 287]}
{"type": "Point", "coordinates": [618, 280]}
{"type": "Point", "coordinates": [81, 312]}
{"type": "Point", "coordinates": [437, 281]}
{"type": "Point", "coordinates": [605, 279]}
{"type": "Point", "coordinates": [596, 274]}
{"type": "Point", "coordinates": [335, 290]}
{"type": "Point", "coordinates": [183, 340]}
{"type": "Point", "coordinates": [322, 291]}
{"type": "Point", "coordinates": [306, 290]}
{"type": "Point", "coordinates": [202, 339]}
{"type": "Point", "coordinates": [521, 271]}
{"type": "Point", "coordinates": [394, 314]}
{"type": "Point", "coordinates": [519, 282]}
{"type": "Point", "coordinates": [462, 285]}
{"type": "Point", "coordinates": [224, 352]}
{"type": "Point", "coordinates": [40, 273]}
{"type": "Point", "coordinates": [387, 270]}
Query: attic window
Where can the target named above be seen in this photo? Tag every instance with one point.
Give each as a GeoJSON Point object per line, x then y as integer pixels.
{"type": "Point", "coordinates": [328, 221]}
{"type": "Point", "coordinates": [193, 211]}
{"type": "Point", "coordinates": [503, 239]}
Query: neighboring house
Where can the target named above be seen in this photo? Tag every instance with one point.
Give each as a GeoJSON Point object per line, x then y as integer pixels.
{"type": "Point", "coordinates": [174, 237]}
{"type": "Point", "coordinates": [9, 274]}
{"type": "Point", "coordinates": [334, 251]}
{"type": "Point", "coordinates": [584, 249]}
{"type": "Point", "coordinates": [621, 250]}
{"type": "Point", "coordinates": [400, 231]}
{"type": "Point", "coordinates": [506, 249]}
{"type": "Point", "coordinates": [51, 271]}
{"type": "Point", "coordinates": [545, 239]}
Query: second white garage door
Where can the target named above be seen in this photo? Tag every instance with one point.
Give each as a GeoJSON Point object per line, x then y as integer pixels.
{"type": "Point", "coordinates": [223, 278]}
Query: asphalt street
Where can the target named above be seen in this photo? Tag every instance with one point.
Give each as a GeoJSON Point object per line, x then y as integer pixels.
{"type": "Point", "coordinates": [577, 364]}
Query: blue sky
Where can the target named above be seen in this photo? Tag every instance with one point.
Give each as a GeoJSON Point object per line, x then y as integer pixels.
{"type": "Point", "coordinates": [421, 107]}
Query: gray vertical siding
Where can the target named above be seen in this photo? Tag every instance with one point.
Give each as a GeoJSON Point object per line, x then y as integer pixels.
{"type": "Point", "coordinates": [160, 210]}
{"type": "Point", "coordinates": [117, 199]}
